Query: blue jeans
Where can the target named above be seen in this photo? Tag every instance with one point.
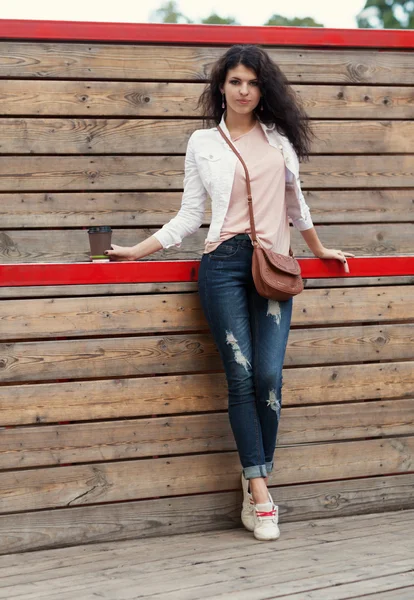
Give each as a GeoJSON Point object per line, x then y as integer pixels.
{"type": "Point", "coordinates": [251, 335]}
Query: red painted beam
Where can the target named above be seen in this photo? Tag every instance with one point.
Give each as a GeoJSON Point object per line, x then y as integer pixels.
{"type": "Point", "coordinates": [205, 34]}
{"type": "Point", "coordinates": [45, 274]}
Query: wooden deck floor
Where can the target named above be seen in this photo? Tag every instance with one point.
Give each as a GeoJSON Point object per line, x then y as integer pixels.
{"type": "Point", "coordinates": [367, 556]}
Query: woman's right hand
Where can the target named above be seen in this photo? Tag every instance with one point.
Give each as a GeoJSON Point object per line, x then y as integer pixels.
{"type": "Point", "coordinates": [121, 252]}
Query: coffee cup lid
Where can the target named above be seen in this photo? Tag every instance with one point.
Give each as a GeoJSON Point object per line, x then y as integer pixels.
{"type": "Point", "coordinates": [103, 229]}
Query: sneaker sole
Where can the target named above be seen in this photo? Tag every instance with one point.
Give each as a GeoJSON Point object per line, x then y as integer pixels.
{"type": "Point", "coordinates": [266, 538]}
{"type": "Point", "coordinates": [249, 525]}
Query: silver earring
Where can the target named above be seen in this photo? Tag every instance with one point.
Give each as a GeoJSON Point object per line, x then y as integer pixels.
{"type": "Point", "coordinates": [261, 105]}
{"type": "Point", "coordinates": [223, 104]}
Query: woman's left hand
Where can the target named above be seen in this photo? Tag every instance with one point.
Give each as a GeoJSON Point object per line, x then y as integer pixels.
{"type": "Point", "coordinates": [337, 254]}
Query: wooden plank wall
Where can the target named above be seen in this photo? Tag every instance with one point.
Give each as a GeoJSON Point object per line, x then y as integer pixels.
{"type": "Point", "coordinates": [112, 398]}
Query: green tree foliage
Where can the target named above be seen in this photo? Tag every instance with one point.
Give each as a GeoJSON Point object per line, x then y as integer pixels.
{"type": "Point", "coordinates": [169, 12]}
{"type": "Point", "coordinates": [296, 22]}
{"type": "Point", "coordinates": [387, 14]}
{"type": "Point", "coordinates": [214, 19]}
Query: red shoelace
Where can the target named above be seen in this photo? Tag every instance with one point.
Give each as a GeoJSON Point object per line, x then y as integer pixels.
{"type": "Point", "coordinates": [270, 513]}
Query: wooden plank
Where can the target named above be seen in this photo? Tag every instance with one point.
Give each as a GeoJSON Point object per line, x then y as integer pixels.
{"type": "Point", "coordinates": [140, 438]}
{"type": "Point", "coordinates": [170, 136]}
{"type": "Point", "coordinates": [86, 209]}
{"type": "Point", "coordinates": [342, 282]}
{"type": "Point", "coordinates": [324, 530]}
{"type": "Point", "coordinates": [71, 246]}
{"type": "Point", "coordinates": [218, 556]}
{"type": "Point", "coordinates": [376, 568]}
{"type": "Point", "coordinates": [152, 62]}
{"type": "Point", "coordinates": [329, 423]}
{"type": "Point", "coordinates": [361, 240]}
{"type": "Point", "coordinates": [357, 171]}
{"type": "Point", "coordinates": [153, 209]}
{"type": "Point", "coordinates": [96, 136]}
{"type": "Point", "coordinates": [30, 319]}
{"type": "Point", "coordinates": [399, 584]}
{"type": "Point", "coordinates": [106, 316]}
{"type": "Point", "coordinates": [349, 344]}
{"type": "Point", "coordinates": [355, 102]}
{"type": "Point", "coordinates": [78, 173]}
{"type": "Point", "coordinates": [404, 593]}
{"type": "Point", "coordinates": [118, 209]}
{"type": "Point", "coordinates": [210, 572]}
{"type": "Point", "coordinates": [144, 519]}
{"type": "Point", "coordinates": [110, 98]}
{"type": "Point", "coordinates": [60, 291]}
{"type": "Point", "coordinates": [166, 395]}
{"type": "Point", "coordinates": [150, 99]}
{"type": "Point", "coordinates": [107, 562]}
{"type": "Point", "coordinates": [346, 383]}
{"type": "Point", "coordinates": [357, 564]}
{"type": "Point", "coordinates": [76, 485]}
{"type": "Point", "coordinates": [104, 357]}
{"type": "Point", "coordinates": [332, 567]}
{"type": "Point", "coordinates": [207, 574]}
{"type": "Point", "coordinates": [87, 173]}
{"type": "Point", "coordinates": [370, 137]}
{"type": "Point", "coordinates": [352, 305]}
{"type": "Point", "coordinates": [150, 355]}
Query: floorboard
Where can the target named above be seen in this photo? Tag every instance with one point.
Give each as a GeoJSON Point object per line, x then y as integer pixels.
{"type": "Point", "coordinates": [359, 557]}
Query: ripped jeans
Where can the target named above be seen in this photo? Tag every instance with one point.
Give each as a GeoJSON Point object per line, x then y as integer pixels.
{"type": "Point", "coordinates": [251, 335]}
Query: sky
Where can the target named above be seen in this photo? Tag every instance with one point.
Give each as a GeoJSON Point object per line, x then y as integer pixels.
{"type": "Point", "coordinates": [246, 12]}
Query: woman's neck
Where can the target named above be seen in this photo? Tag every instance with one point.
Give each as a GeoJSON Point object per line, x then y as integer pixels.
{"type": "Point", "coordinates": [239, 124]}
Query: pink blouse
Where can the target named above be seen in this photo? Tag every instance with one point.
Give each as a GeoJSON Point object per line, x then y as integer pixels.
{"type": "Point", "coordinates": [266, 168]}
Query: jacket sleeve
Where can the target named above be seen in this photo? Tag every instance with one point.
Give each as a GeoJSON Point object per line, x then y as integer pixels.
{"type": "Point", "coordinates": [191, 214]}
{"type": "Point", "coordinates": [297, 209]}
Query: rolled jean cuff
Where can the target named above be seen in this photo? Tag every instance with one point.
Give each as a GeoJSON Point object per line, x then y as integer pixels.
{"type": "Point", "coordinates": [269, 467]}
{"type": "Point", "coordinates": [255, 471]}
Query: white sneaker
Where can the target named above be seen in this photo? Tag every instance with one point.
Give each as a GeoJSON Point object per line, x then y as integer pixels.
{"type": "Point", "coordinates": [266, 517]}
{"type": "Point", "coordinates": [247, 513]}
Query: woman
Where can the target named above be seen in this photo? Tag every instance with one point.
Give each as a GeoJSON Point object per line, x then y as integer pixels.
{"type": "Point", "coordinates": [258, 111]}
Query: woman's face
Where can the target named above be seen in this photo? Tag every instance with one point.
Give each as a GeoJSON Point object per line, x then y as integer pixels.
{"type": "Point", "coordinates": [241, 89]}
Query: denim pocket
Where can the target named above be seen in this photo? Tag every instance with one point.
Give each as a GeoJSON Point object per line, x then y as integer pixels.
{"type": "Point", "coordinates": [225, 250]}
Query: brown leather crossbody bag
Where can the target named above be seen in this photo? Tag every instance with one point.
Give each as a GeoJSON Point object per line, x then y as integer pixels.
{"type": "Point", "coordinates": [275, 276]}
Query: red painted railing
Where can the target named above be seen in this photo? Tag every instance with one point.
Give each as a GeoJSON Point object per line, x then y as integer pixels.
{"type": "Point", "coordinates": [204, 34]}
{"type": "Point", "coordinates": [167, 271]}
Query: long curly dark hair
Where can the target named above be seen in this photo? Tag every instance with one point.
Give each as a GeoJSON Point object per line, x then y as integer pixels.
{"type": "Point", "coordinates": [281, 105]}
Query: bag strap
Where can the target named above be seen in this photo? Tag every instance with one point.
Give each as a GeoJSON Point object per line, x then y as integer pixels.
{"type": "Point", "coordinates": [249, 189]}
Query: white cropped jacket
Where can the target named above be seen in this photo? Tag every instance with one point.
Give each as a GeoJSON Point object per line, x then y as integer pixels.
{"type": "Point", "coordinates": [209, 171]}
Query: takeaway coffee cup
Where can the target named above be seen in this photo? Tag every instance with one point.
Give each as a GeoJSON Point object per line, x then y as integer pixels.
{"type": "Point", "coordinates": [99, 240]}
